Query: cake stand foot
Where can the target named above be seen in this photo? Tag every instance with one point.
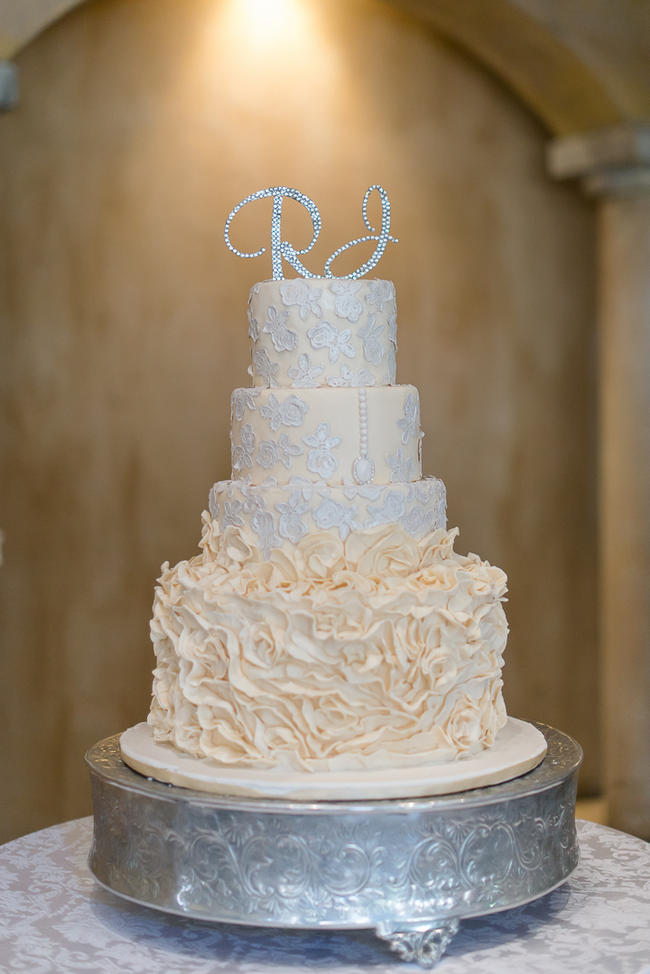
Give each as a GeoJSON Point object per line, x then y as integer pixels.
{"type": "Point", "coordinates": [420, 945]}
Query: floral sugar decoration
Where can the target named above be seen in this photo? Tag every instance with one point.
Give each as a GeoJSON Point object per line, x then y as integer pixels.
{"type": "Point", "coordinates": [283, 250]}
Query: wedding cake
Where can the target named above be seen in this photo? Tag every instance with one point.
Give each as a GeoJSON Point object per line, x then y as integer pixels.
{"type": "Point", "coordinates": [327, 640]}
{"type": "Point", "coordinates": [327, 622]}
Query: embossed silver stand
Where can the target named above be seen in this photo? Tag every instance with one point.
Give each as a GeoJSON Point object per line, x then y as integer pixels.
{"type": "Point", "coordinates": [411, 869]}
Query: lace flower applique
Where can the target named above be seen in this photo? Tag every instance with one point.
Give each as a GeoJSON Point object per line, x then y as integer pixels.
{"type": "Point", "coordinates": [320, 459]}
{"type": "Point", "coordinates": [421, 491]}
{"type": "Point", "coordinates": [262, 524]}
{"type": "Point", "coordinates": [301, 294]}
{"type": "Point", "coordinates": [346, 304]}
{"type": "Point", "coordinates": [287, 412]}
{"type": "Point", "coordinates": [290, 525]}
{"type": "Point", "coordinates": [284, 340]}
{"type": "Point", "coordinates": [252, 501]}
{"type": "Point", "coordinates": [253, 327]}
{"type": "Point", "coordinates": [380, 292]}
{"type": "Point", "coordinates": [401, 467]}
{"type": "Point", "coordinates": [330, 514]}
{"type": "Point", "coordinates": [392, 510]}
{"type": "Point", "coordinates": [283, 451]}
{"type": "Point", "coordinates": [241, 400]}
{"type": "Point", "coordinates": [410, 422]}
{"type": "Point", "coordinates": [327, 336]}
{"type": "Point", "coordinates": [265, 368]}
{"type": "Point", "coordinates": [417, 520]}
{"type": "Point", "coordinates": [242, 452]}
{"type": "Point", "coordinates": [303, 374]}
{"type": "Point", "coordinates": [373, 350]}
{"type": "Point", "coordinates": [232, 511]}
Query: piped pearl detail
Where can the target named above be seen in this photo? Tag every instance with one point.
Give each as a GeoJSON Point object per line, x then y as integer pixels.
{"type": "Point", "coordinates": [363, 468]}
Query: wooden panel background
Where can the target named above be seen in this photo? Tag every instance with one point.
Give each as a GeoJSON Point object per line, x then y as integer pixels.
{"type": "Point", "coordinates": [141, 122]}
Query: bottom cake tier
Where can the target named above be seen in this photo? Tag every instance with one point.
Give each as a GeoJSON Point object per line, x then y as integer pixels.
{"type": "Point", "coordinates": [376, 651]}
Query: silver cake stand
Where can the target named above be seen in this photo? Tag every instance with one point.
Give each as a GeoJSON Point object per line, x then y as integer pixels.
{"type": "Point", "coordinates": [411, 869]}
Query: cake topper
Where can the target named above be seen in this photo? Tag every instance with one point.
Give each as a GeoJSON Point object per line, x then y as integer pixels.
{"type": "Point", "coordinates": [282, 249]}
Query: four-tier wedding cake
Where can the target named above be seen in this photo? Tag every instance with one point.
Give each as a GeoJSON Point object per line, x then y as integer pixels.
{"type": "Point", "coordinates": [327, 623]}
{"type": "Point", "coordinates": [328, 642]}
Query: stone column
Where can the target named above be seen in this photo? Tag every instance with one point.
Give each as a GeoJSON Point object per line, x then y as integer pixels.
{"type": "Point", "coordinates": [614, 165]}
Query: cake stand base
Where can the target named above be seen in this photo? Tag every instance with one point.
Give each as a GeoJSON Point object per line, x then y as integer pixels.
{"type": "Point", "coordinates": [411, 869]}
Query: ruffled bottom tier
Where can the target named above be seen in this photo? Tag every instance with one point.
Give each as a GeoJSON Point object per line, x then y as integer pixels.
{"type": "Point", "coordinates": [377, 651]}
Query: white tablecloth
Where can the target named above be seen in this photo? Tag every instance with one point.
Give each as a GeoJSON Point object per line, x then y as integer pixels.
{"type": "Point", "coordinates": [55, 918]}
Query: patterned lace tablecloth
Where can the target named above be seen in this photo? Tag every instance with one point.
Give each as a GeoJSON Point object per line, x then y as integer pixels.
{"type": "Point", "coordinates": [55, 918]}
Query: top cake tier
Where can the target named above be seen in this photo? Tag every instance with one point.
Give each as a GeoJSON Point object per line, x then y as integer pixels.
{"type": "Point", "coordinates": [323, 332]}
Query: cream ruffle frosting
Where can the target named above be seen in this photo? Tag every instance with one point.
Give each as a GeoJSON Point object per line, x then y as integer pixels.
{"type": "Point", "coordinates": [377, 651]}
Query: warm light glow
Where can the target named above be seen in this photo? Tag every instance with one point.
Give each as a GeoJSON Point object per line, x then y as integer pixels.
{"type": "Point", "coordinates": [267, 52]}
{"type": "Point", "coordinates": [269, 20]}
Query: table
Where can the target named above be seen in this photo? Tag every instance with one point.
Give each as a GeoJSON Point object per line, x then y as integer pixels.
{"type": "Point", "coordinates": [54, 917]}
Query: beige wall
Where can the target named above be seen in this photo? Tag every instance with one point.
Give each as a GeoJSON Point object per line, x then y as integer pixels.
{"type": "Point", "coordinates": [141, 122]}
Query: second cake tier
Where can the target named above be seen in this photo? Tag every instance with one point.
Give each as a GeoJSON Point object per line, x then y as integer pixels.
{"type": "Point", "coordinates": [349, 435]}
{"type": "Point", "coordinates": [281, 515]}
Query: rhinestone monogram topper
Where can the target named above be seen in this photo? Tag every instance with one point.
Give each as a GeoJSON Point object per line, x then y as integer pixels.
{"type": "Point", "coordinates": [282, 249]}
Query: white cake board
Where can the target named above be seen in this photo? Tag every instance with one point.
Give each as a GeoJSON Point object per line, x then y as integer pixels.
{"type": "Point", "coordinates": [519, 747]}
